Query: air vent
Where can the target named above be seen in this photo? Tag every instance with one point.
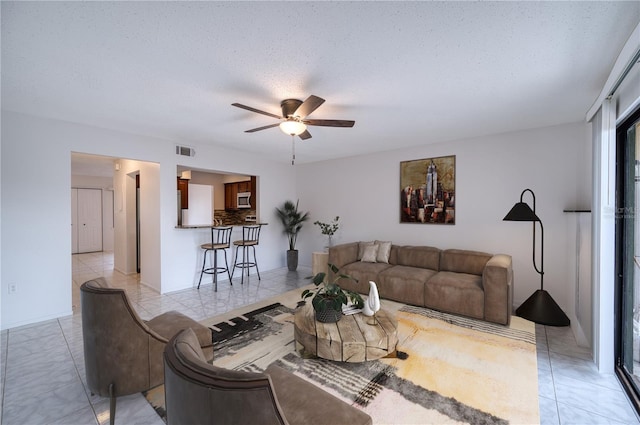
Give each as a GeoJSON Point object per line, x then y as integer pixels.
{"type": "Point", "coordinates": [185, 151]}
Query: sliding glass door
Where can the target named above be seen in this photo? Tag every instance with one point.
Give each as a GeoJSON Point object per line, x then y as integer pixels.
{"type": "Point", "coordinates": [628, 256]}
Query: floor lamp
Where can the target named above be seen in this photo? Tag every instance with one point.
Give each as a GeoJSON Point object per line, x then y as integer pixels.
{"type": "Point", "coordinates": [540, 306]}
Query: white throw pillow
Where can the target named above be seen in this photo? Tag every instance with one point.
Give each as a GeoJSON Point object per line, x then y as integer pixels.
{"type": "Point", "coordinates": [361, 248]}
{"type": "Point", "coordinates": [370, 254]}
{"type": "Point", "coordinates": [384, 250]}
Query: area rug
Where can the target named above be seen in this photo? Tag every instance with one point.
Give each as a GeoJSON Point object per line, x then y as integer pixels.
{"type": "Point", "coordinates": [451, 369]}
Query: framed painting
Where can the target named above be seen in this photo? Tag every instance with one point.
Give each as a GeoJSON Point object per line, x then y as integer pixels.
{"type": "Point", "coordinates": [427, 190]}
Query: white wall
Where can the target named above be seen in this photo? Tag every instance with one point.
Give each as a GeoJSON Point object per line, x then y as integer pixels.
{"type": "Point", "coordinates": [124, 258]}
{"type": "Point", "coordinates": [32, 213]}
{"type": "Point", "coordinates": [125, 254]}
{"type": "Point", "coordinates": [491, 172]}
{"type": "Point", "coordinates": [150, 225]}
{"type": "Point", "coordinates": [36, 203]}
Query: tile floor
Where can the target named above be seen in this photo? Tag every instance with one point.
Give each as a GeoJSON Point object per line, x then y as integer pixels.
{"type": "Point", "coordinates": [48, 386]}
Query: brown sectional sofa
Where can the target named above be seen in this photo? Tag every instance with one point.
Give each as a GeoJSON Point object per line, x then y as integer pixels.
{"type": "Point", "coordinates": [469, 283]}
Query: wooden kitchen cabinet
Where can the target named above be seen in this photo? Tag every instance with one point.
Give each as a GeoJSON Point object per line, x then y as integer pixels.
{"type": "Point", "coordinates": [183, 187]}
{"type": "Point", "coordinates": [231, 191]}
{"type": "Point", "coordinates": [254, 198]}
{"type": "Point", "coordinates": [230, 196]}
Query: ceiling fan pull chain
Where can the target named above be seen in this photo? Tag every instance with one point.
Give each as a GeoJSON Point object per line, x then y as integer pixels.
{"type": "Point", "coordinates": [293, 150]}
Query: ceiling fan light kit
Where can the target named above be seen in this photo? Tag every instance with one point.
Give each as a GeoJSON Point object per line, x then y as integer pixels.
{"type": "Point", "coordinates": [293, 127]}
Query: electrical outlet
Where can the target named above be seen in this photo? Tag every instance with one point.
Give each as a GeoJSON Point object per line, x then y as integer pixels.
{"type": "Point", "coordinates": [13, 288]}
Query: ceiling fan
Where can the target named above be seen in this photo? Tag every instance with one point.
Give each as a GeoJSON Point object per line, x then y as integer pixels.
{"type": "Point", "coordinates": [294, 114]}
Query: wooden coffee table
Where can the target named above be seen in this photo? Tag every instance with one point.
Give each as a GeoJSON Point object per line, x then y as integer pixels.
{"type": "Point", "coordinates": [351, 339]}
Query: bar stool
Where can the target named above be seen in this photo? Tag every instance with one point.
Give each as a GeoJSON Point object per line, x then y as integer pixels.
{"type": "Point", "coordinates": [250, 238]}
{"type": "Point", "coordinates": [220, 241]}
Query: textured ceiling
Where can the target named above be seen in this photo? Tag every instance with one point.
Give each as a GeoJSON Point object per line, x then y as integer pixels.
{"type": "Point", "coordinates": [408, 73]}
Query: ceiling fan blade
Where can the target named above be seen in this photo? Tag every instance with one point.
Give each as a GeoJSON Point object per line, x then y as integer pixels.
{"type": "Point", "coordinates": [249, 108]}
{"type": "Point", "coordinates": [308, 106]}
{"type": "Point", "coordinates": [253, 130]}
{"type": "Point", "coordinates": [330, 123]}
{"type": "Point", "coordinates": [305, 135]}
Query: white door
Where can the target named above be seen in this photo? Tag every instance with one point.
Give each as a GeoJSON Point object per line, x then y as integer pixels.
{"type": "Point", "coordinates": [74, 221]}
{"type": "Point", "coordinates": [89, 220]}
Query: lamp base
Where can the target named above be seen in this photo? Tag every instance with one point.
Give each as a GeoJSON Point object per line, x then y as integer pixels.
{"type": "Point", "coordinates": [542, 309]}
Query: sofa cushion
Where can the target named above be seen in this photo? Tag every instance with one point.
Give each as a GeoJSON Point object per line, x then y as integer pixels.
{"type": "Point", "coordinates": [393, 254]}
{"type": "Point", "coordinates": [340, 255]}
{"type": "Point", "coordinates": [459, 293]}
{"type": "Point", "coordinates": [361, 247]}
{"type": "Point", "coordinates": [375, 252]}
{"type": "Point", "coordinates": [363, 273]}
{"type": "Point", "coordinates": [189, 353]}
{"type": "Point", "coordinates": [498, 295]}
{"type": "Point", "coordinates": [188, 344]}
{"type": "Point", "coordinates": [170, 323]}
{"type": "Point", "coordinates": [384, 251]}
{"type": "Point", "coordinates": [463, 261]}
{"type": "Point", "coordinates": [370, 254]}
{"type": "Point", "coordinates": [425, 257]}
{"type": "Point", "coordinates": [403, 283]}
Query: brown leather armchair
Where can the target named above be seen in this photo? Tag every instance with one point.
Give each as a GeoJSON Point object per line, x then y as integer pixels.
{"type": "Point", "coordinates": [122, 352]}
{"type": "Point", "coordinates": [197, 392]}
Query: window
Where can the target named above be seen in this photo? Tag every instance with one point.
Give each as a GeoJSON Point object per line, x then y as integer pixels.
{"type": "Point", "coordinates": [627, 350]}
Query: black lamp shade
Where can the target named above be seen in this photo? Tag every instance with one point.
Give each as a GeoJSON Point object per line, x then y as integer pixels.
{"type": "Point", "coordinates": [521, 212]}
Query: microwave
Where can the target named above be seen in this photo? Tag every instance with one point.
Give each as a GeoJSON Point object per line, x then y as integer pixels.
{"type": "Point", "coordinates": [244, 200]}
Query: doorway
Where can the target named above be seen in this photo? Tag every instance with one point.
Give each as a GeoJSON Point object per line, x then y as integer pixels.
{"type": "Point", "coordinates": [627, 293]}
{"type": "Point", "coordinates": [138, 223]}
{"type": "Point", "coordinates": [90, 175]}
{"type": "Point", "coordinates": [86, 220]}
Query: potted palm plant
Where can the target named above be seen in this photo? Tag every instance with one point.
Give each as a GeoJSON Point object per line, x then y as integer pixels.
{"type": "Point", "coordinates": [292, 221]}
{"type": "Point", "coordinates": [327, 298]}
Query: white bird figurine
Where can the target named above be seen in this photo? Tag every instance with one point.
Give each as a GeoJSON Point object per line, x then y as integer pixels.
{"type": "Point", "coordinates": [372, 304]}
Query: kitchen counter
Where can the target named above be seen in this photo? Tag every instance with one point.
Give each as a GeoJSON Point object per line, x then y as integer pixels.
{"type": "Point", "coordinates": [208, 226]}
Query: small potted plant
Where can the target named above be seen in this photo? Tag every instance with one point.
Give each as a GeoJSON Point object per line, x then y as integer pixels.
{"type": "Point", "coordinates": [329, 229]}
{"type": "Point", "coordinates": [292, 221]}
{"type": "Point", "coordinates": [327, 298]}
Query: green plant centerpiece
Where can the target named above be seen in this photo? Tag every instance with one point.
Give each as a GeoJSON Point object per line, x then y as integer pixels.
{"type": "Point", "coordinates": [292, 221]}
{"type": "Point", "coordinates": [327, 298]}
{"type": "Point", "coordinates": [329, 229]}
